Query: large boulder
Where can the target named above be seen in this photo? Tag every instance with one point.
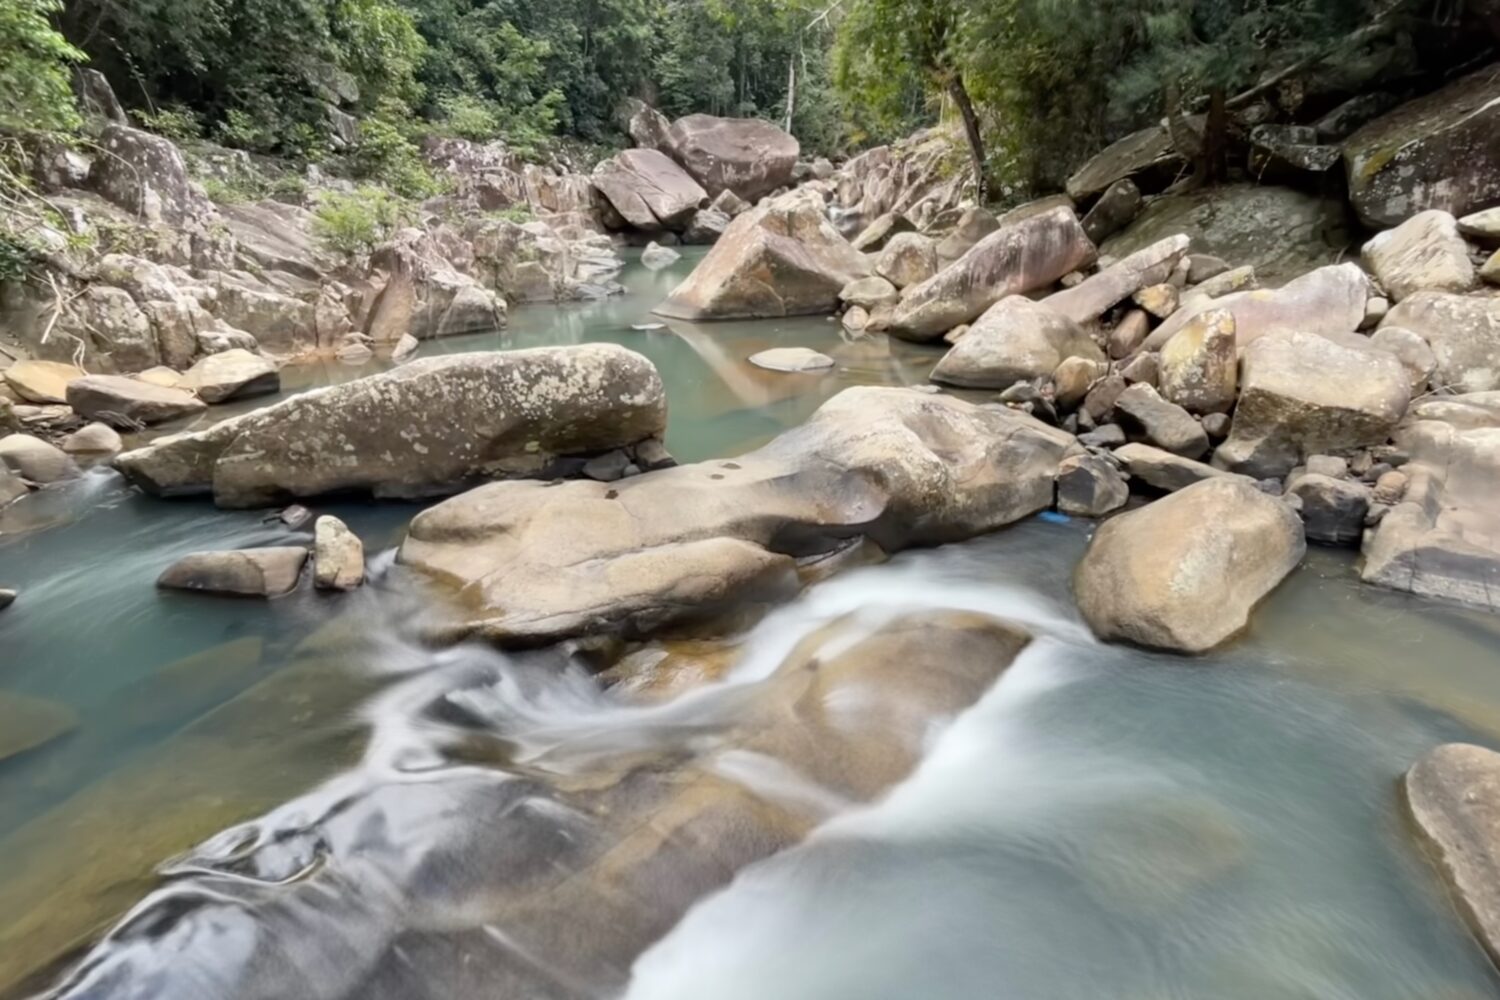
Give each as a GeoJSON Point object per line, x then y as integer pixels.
{"type": "Point", "coordinates": [1463, 332]}
{"type": "Point", "coordinates": [748, 156]}
{"type": "Point", "coordinates": [1164, 470]}
{"type": "Point", "coordinates": [534, 564]}
{"type": "Point", "coordinates": [126, 402]}
{"type": "Point", "coordinates": [338, 556]}
{"type": "Point", "coordinates": [1146, 416]}
{"type": "Point", "coordinates": [1282, 232]}
{"type": "Point", "coordinates": [1015, 340]}
{"type": "Point", "coordinates": [1302, 394]}
{"type": "Point", "coordinates": [233, 374]}
{"type": "Point", "coordinates": [1328, 301]}
{"type": "Point", "coordinates": [648, 128]}
{"type": "Point", "coordinates": [1093, 297]}
{"type": "Point", "coordinates": [1199, 365]}
{"type": "Point", "coordinates": [1443, 538]}
{"type": "Point", "coordinates": [649, 191]}
{"type": "Point", "coordinates": [1184, 572]}
{"type": "Point", "coordinates": [432, 426]}
{"type": "Point", "coordinates": [1147, 152]}
{"type": "Point", "coordinates": [145, 175]}
{"type": "Point", "coordinates": [1441, 151]}
{"type": "Point", "coordinates": [783, 258]}
{"type": "Point", "coordinates": [35, 460]}
{"type": "Point", "coordinates": [1424, 253]}
{"type": "Point", "coordinates": [1013, 260]}
{"type": "Point", "coordinates": [280, 324]}
{"type": "Point", "coordinates": [909, 259]}
{"type": "Point", "coordinates": [1453, 795]}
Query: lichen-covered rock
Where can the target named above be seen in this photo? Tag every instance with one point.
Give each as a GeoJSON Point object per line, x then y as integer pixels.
{"type": "Point", "coordinates": [1441, 151]}
{"type": "Point", "coordinates": [267, 572]}
{"type": "Point", "coordinates": [1146, 416]}
{"type": "Point", "coordinates": [1184, 572]}
{"type": "Point", "coordinates": [1199, 365]}
{"type": "Point", "coordinates": [908, 259]}
{"type": "Point", "coordinates": [1463, 332]}
{"type": "Point", "coordinates": [1424, 253]}
{"type": "Point", "coordinates": [281, 325]}
{"type": "Point", "coordinates": [1414, 353]}
{"type": "Point", "coordinates": [1016, 259]}
{"type": "Point", "coordinates": [533, 564]}
{"type": "Point", "coordinates": [1015, 340]}
{"type": "Point", "coordinates": [1330, 300]}
{"type": "Point", "coordinates": [1443, 538]}
{"type": "Point", "coordinates": [123, 402]}
{"type": "Point", "coordinates": [115, 334]}
{"type": "Point", "coordinates": [432, 426]}
{"type": "Point", "coordinates": [783, 258]}
{"type": "Point", "coordinates": [1301, 394]}
{"type": "Point", "coordinates": [749, 156]}
{"type": "Point", "coordinates": [144, 174]}
{"type": "Point", "coordinates": [649, 191]}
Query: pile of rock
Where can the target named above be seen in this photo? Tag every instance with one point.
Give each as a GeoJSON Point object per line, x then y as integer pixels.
{"type": "Point", "coordinates": [275, 571]}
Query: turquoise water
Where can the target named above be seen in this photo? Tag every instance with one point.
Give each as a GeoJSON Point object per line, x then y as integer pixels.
{"type": "Point", "coordinates": [1105, 823]}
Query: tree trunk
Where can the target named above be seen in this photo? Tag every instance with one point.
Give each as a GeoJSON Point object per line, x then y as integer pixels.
{"type": "Point", "coordinates": [960, 95]}
{"type": "Point", "coordinates": [791, 91]}
{"type": "Point", "coordinates": [1215, 164]}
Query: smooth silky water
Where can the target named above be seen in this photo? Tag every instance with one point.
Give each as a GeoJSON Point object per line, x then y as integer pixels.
{"type": "Point", "coordinates": [344, 812]}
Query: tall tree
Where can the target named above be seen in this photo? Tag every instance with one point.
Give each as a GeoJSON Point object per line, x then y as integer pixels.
{"type": "Point", "coordinates": [34, 66]}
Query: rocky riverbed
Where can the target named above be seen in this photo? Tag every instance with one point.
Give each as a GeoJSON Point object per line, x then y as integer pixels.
{"type": "Point", "coordinates": [613, 673]}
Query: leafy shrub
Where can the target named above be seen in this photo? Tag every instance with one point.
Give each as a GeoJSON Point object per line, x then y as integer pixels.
{"type": "Point", "coordinates": [355, 223]}
{"type": "Point", "coordinates": [387, 154]}
{"type": "Point", "coordinates": [176, 122]}
{"type": "Point", "coordinates": [17, 257]}
{"type": "Point", "coordinates": [519, 214]}
{"type": "Point", "coordinates": [468, 117]}
{"type": "Point", "coordinates": [34, 67]}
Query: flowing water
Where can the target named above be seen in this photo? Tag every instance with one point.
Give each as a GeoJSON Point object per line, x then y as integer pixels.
{"type": "Point", "coordinates": [346, 813]}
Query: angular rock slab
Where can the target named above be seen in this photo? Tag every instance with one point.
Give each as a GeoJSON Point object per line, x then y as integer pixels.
{"type": "Point", "coordinates": [232, 374]}
{"type": "Point", "coordinates": [533, 564]}
{"type": "Point", "coordinates": [1440, 151]}
{"type": "Point", "coordinates": [1423, 254]}
{"type": "Point", "coordinates": [118, 401]}
{"type": "Point", "coordinates": [1453, 794]}
{"type": "Point", "coordinates": [1095, 296]}
{"type": "Point", "coordinates": [782, 258]}
{"type": "Point", "coordinates": [1185, 572]}
{"type": "Point", "coordinates": [1301, 394]}
{"type": "Point", "coordinates": [431, 427]}
{"type": "Point", "coordinates": [1443, 538]}
{"type": "Point", "coordinates": [649, 191]}
{"type": "Point", "coordinates": [1015, 259]}
{"type": "Point", "coordinates": [1015, 340]}
{"type": "Point", "coordinates": [42, 382]}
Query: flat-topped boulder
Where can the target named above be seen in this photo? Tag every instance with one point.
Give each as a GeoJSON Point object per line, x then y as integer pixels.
{"type": "Point", "coordinates": [1301, 395]}
{"type": "Point", "coordinates": [1424, 253]}
{"type": "Point", "coordinates": [121, 401]}
{"type": "Point", "coordinates": [1022, 257]}
{"type": "Point", "coordinates": [1441, 151]}
{"type": "Point", "coordinates": [267, 572]}
{"type": "Point", "coordinates": [1443, 538]}
{"type": "Point", "coordinates": [1148, 151]}
{"type": "Point", "coordinates": [1184, 573]}
{"type": "Point", "coordinates": [649, 190]}
{"type": "Point", "coordinates": [431, 427]}
{"type": "Point", "coordinates": [42, 382]}
{"type": "Point", "coordinates": [1015, 340]}
{"type": "Point", "coordinates": [532, 563]}
{"type": "Point", "coordinates": [782, 258]}
{"type": "Point", "coordinates": [232, 374]}
{"type": "Point", "coordinates": [749, 156]}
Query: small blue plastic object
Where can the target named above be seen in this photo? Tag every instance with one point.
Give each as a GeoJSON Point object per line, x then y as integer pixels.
{"type": "Point", "coordinates": [1054, 517]}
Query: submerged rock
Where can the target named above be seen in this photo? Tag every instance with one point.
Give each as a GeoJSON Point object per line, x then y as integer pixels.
{"type": "Point", "coordinates": [656, 256]}
{"type": "Point", "coordinates": [1015, 340]}
{"type": "Point", "coordinates": [791, 359]}
{"type": "Point", "coordinates": [1443, 538]}
{"type": "Point", "coordinates": [338, 556]}
{"type": "Point", "coordinates": [1015, 259]}
{"type": "Point", "coordinates": [27, 723]}
{"type": "Point", "coordinates": [432, 426]}
{"type": "Point", "coordinates": [124, 402]}
{"type": "Point", "coordinates": [534, 564]}
{"type": "Point", "coordinates": [1185, 572]}
{"type": "Point", "coordinates": [268, 572]}
{"type": "Point", "coordinates": [783, 258]}
{"type": "Point", "coordinates": [1454, 797]}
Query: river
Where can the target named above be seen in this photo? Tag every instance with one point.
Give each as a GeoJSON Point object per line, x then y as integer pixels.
{"type": "Point", "coordinates": [344, 812]}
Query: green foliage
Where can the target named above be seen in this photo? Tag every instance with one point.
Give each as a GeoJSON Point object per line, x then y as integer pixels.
{"type": "Point", "coordinates": [18, 258]}
{"type": "Point", "coordinates": [34, 68]}
{"type": "Point", "coordinates": [387, 152]}
{"type": "Point", "coordinates": [177, 122]}
{"type": "Point", "coordinates": [519, 214]}
{"type": "Point", "coordinates": [354, 224]}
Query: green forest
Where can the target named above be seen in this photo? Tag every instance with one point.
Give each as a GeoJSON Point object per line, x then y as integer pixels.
{"type": "Point", "coordinates": [1038, 83]}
